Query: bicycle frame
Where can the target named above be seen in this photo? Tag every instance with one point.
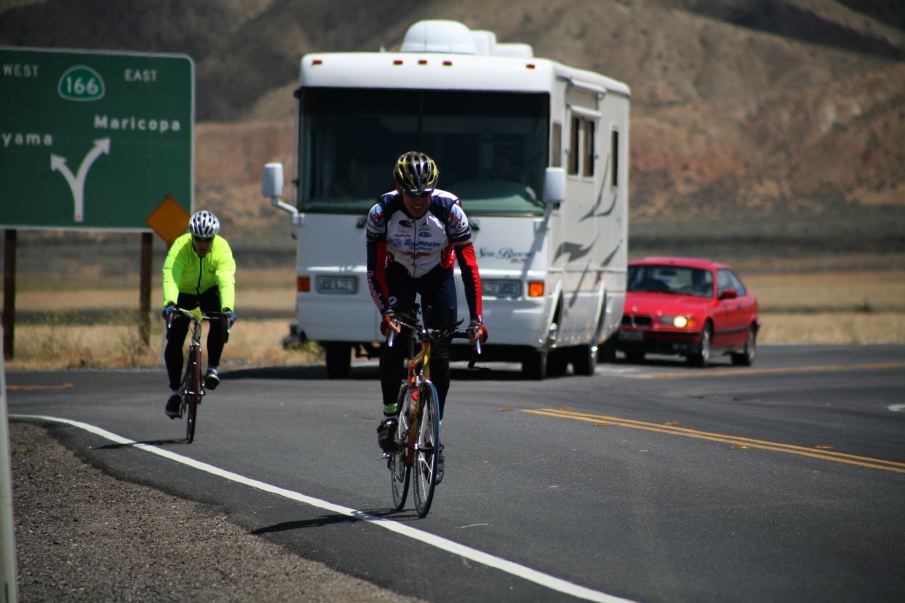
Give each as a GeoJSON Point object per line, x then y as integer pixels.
{"type": "Point", "coordinates": [193, 389]}
{"type": "Point", "coordinates": [418, 430]}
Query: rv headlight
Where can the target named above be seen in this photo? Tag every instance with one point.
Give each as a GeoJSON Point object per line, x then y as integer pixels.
{"type": "Point", "coordinates": [501, 287]}
{"type": "Point", "coordinates": [342, 285]}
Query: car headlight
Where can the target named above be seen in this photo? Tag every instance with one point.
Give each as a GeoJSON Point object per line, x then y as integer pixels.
{"type": "Point", "coordinates": [680, 322]}
{"type": "Point", "coordinates": [501, 287]}
{"type": "Point", "coordinates": [341, 285]}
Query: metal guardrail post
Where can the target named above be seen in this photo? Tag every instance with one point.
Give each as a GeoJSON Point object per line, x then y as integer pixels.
{"type": "Point", "coordinates": [8, 572]}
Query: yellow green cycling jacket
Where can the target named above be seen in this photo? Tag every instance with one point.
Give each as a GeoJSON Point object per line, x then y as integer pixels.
{"type": "Point", "coordinates": [185, 272]}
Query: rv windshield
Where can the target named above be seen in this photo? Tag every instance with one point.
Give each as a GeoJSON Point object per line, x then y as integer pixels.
{"type": "Point", "coordinates": [491, 147]}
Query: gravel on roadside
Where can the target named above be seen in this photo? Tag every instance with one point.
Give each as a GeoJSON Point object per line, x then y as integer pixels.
{"type": "Point", "coordinates": [83, 535]}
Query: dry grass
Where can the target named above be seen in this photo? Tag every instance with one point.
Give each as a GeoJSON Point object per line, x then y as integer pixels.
{"type": "Point", "coordinates": [833, 328]}
{"type": "Point", "coordinates": [830, 291]}
{"type": "Point", "coordinates": [819, 308]}
{"type": "Point", "coordinates": [44, 346]}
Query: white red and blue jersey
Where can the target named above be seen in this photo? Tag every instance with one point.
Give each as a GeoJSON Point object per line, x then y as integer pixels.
{"type": "Point", "coordinates": [420, 244]}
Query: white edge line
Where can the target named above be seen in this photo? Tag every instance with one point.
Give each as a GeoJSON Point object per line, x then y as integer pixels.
{"type": "Point", "coordinates": [439, 542]}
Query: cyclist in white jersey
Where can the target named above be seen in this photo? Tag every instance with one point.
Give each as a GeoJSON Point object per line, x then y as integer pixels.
{"type": "Point", "coordinates": [414, 235]}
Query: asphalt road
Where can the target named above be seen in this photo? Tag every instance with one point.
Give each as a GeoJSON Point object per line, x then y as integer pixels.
{"type": "Point", "coordinates": [657, 482]}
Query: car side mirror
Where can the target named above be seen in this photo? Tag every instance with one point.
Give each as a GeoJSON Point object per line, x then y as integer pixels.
{"type": "Point", "coordinates": [728, 294]}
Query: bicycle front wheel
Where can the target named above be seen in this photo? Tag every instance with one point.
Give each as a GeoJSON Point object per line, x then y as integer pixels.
{"type": "Point", "coordinates": [400, 470]}
{"type": "Point", "coordinates": [192, 392]}
{"type": "Point", "coordinates": [427, 449]}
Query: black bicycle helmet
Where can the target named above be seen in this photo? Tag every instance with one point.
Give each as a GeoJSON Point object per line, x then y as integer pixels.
{"type": "Point", "coordinates": [416, 173]}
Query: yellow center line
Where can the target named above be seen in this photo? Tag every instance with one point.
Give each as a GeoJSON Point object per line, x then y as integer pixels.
{"type": "Point", "coordinates": [23, 388]}
{"type": "Point", "coordinates": [743, 372]}
{"type": "Point", "coordinates": [817, 453]}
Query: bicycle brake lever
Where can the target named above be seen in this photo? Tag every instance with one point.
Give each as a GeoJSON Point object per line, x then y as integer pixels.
{"type": "Point", "coordinates": [391, 339]}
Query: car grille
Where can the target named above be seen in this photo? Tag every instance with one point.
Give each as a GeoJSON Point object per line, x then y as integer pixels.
{"type": "Point", "coordinates": [637, 321]}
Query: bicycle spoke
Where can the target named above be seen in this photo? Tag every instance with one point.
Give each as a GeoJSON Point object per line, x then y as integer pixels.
{"type": "Point", "coordinates": [426, 457]}
{"type": "Point", "coordinates": [400, 471]}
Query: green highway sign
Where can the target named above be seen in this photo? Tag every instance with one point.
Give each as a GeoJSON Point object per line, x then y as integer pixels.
{"type": "Point", "coordinates": [93, 140]}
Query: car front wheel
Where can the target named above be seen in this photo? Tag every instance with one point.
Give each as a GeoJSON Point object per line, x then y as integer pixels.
{"type": "Point", "coordinates": [701, 358]}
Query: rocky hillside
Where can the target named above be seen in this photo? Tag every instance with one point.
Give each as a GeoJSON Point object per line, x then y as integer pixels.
{"type": "Point", "coordinates": [743, 112]}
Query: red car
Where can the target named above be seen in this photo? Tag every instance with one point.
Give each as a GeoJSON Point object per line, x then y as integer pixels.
{"type": "Point", "coordinates": [691, 307]}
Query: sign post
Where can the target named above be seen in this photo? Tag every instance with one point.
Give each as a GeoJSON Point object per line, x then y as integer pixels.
{"type": "Point", "coordinates": [93, 140]}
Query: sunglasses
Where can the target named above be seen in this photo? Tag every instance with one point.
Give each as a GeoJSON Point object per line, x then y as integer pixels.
{"type": "Point", "coordinates": [421, 195]}
{"type": "Point", "coordinates": [202, 239]}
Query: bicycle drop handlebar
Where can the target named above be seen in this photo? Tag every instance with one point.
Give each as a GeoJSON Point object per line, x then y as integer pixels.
{"type": "Point", "coordinates": [199, 316]}
{"type": "Point", "coordinates": [435, 335]}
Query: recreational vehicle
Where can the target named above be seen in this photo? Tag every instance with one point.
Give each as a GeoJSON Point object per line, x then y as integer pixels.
{"type": "Point", "coordinates": [537, 152]}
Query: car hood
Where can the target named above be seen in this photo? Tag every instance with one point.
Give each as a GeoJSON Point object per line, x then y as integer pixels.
{"type": "Point", "coordinates": [664, 303]}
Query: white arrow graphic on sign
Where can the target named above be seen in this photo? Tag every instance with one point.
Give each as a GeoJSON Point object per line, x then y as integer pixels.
{"type": "Point", "coordinates": [77, 183]}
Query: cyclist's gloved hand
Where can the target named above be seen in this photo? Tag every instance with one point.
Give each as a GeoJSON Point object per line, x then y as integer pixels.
{"type": "Point", "coordinates": [168, 310]}
{"type": "Point", "coordinates": [477, 331]}
{"type": "Point", "coordinates": [231, 317]}
{"type": "Point", "coordinates": [389, 324]}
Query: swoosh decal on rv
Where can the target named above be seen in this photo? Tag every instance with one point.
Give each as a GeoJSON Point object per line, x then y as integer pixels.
{"type": "Point", "coordinates": [594, 210]}
{"type": "Point", "coordinates": [573, 250]}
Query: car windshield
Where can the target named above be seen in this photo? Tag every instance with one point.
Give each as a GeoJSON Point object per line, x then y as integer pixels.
{"type": "Point", "coordinates": [678, 280]}
{"type": "Point", "coordinates": [491, 147]}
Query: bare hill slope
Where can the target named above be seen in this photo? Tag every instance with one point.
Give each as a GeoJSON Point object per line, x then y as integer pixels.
{"type": "Point", "coordinates": [741, 110]}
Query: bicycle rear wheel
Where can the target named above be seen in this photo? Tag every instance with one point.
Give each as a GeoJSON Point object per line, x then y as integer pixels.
{"type": "Point", "coordinates": [400, 470]}
{"type": "Point", "coordinates": [192, 392]}
{"type": "Point", "coordinates": [427, 448]}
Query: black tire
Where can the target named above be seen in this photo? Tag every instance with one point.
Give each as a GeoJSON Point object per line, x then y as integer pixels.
{"type": "Point", "coordinates": [557, 363]}
{"type": "Point", "coordinates": [534, 366]}
{"type": "Point", "coordinates": [339, 359]}
{"type": "Point", "coordinates": [634, 357]}
{"type": "Point", "coordinates": [192, 392]}
{"type": "Point", "coordinates": [400, 470]}
{"type": "Point", "coordinates": [427, 450]}
{"type": "Point", "coordinates": [701, 358]}
{"type": "Point", "coordinates": [747, 355]}
{"type": "Point", "coordinates": [584, 360]}
{"type": "Point", "coordinates": [607, 352]}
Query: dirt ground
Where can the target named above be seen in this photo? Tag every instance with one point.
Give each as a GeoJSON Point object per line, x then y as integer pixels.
{"type": "Point", "coordinates": [82, 535]}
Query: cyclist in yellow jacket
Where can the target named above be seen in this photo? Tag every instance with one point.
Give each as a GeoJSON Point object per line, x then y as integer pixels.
{"type": "Point", "coordinates": [199, 271]}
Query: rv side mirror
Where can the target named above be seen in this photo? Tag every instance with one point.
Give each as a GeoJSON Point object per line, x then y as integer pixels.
{"type": "Point", "coordinates": [272, 182]}
{"type": "Point", "coordinates": [554, 185]}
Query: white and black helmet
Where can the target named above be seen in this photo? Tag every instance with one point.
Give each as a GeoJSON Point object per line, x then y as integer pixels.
{"type": "Point", "coordinates": [204, 224]}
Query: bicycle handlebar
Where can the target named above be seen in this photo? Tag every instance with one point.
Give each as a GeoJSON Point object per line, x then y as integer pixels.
{"type": "Point", "coordinates": [195, 314]}
{"type": "Point", "coordinates": [434, 335]}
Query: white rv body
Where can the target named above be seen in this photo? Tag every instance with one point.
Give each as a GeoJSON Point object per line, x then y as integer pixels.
{"type": "Point", "coordinates": [359, 111]}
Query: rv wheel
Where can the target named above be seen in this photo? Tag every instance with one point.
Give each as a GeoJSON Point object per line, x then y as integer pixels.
{"type": "Point", "coordinates": [534, 366]}
{"type": "Point", "coordinates": [339, 359]}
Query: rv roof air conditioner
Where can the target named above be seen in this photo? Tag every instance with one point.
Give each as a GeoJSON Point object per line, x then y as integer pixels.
{"type": "Point", "coordinates": [438, 35]}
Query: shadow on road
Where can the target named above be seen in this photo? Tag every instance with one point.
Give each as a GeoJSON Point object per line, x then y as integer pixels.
{"type": "Point", "coordinates": [336, 519]}
{"type": "Point", "coordinates": [144, 442]}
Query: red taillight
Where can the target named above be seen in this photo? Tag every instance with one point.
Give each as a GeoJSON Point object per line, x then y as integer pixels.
{"type": "Point", "coordinates": [303, 284]}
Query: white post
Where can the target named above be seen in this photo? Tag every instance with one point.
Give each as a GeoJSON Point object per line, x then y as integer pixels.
{"type": "Point", "coordinates": [7, 540]}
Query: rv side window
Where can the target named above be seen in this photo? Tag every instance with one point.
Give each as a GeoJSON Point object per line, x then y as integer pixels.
{"type": "Point", "coordinates": [589, 127]}
{"type": "Point", "coordinates": [614, 155]}
{"type": "Point", "coordinates": [573, 145]}
{"type": "Point", "coordinates": [556, 145]}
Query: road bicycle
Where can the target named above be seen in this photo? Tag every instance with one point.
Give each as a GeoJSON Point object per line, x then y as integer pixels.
{"type": "Point", "coordinates": [417, 440]}
{"type": "Point", "coordinates": [192, 389]}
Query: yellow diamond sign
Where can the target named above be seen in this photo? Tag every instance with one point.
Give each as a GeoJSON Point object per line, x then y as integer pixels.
{"type": "Point", "coordinates": [169, 220]}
